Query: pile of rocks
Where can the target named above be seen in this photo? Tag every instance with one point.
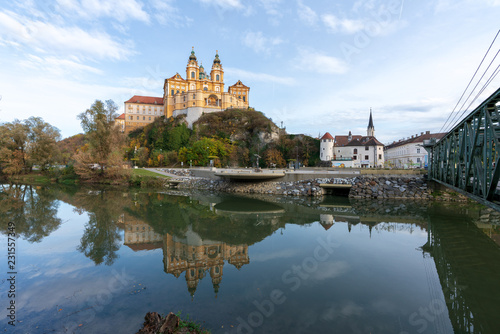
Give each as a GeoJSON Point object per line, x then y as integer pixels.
{"type": "Point", "coordinates": [298, 188]}
{"type": "Point", "coordinates": [390, 187]}
{"type": "Point", "coordinates": [178, 172]}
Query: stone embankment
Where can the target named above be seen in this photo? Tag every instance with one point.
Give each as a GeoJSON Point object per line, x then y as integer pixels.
{"type": "Point", "coordinates": [178, 172]}
{"type": "Point", "coordinates": [390, 187]}
{"type": "Point", "coordinates": [369, 187]}
{"type": "Point", "coordinates": [299, 188]}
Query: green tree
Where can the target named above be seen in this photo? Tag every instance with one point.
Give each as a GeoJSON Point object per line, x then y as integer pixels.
{"type": "Point", "coordinates": [27, 143]}
{"type": "Point", "coordinates": [42, 149]}
{"type": "Point", "coordinates": [105, 142]}
{"type": "Point", "coordinates": [204, 148]}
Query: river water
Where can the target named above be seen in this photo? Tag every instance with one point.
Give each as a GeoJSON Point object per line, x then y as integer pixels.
{"type": "Point", "coordinates": [96, 260]}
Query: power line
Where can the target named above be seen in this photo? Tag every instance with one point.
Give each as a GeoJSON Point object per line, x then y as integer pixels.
{"type": "Point", "coordinates": [491, 78]}
{"type": "Point", "coordinates": [477, 69]}
{"type": "Point", "coordinates": [472, 91]}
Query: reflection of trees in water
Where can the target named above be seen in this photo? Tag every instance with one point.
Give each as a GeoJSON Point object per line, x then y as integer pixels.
{"type": "Point", "coordinates": [173, 214]}
{"type": "Point", "coordinates": [101, 238]}
{"type": "Point", "coordinates": [33, 211]}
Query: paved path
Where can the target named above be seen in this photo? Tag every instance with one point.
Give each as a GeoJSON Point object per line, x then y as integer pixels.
{"type": "Point", "coordinates": [157, 170]}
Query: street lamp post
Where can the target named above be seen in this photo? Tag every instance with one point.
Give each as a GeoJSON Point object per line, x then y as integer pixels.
{"type": "Point", "coordinates": [297, 161]}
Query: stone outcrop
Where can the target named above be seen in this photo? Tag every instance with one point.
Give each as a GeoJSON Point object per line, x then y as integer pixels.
{"type": "Point", "coordinates": [390, 187]}
{"type": "Point", "coordinates": [299, 188]}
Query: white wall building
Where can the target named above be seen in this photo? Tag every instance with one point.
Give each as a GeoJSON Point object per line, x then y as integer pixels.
{"type": "Point", "coordinates": [409, 153]}
{"type": "Point", "coordinates": [353, 151]}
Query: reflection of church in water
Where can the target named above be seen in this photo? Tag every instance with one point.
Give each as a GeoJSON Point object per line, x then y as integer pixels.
{"type": "Point", "coordinates": [190, 254]}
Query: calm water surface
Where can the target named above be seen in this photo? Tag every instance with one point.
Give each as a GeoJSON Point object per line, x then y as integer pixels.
{"type": "Point", "coordinates": [97, 260]}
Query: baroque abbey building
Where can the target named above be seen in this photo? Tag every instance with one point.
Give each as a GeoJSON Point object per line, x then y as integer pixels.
{"type": "Point", "coordinates": [197, 93]}
{"type": "Point", "coordinates": [200, 92]}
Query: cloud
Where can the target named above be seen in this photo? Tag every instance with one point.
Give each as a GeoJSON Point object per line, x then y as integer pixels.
{"type": "Point", "coordinates": [309, 60]}
{"type": "Point", "coordinates": [57, 66]}
{"type": "Point", "coordinates": [347, 309]}
{"type": "Point", "coordinates": [271, 9]}
{"type": "Point", "coordinates": [259, 77]}
{"type": "Point", "coordinates": [259, 43]}
{"type": "Point", "coordinates": [306, 14]}
{"type": "Point", "coordinates": [374, 20]}
{"type": "Point", "coordinates": [448, 5]}
{"type": "Point", "coordinates": [121, 10]}
{"type": "Point", "coordinates": [330, 270]}
{"type": "Point", "coordinates": [49, 38]}
{"type": "Point", "coordinates": [223, 4]}
{"type": "Point", "coordinates": [167, 14]}
{"type": "Point", "coordinates": [347, 26]}
{"type": "Point", "coordinates": [284, 253]}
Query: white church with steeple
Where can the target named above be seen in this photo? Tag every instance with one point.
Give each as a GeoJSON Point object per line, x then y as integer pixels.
{"type": "Point", "coordinates": [353, 150]}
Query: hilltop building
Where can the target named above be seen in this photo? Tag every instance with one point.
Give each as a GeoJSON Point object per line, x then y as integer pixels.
{"type": "Point", "coordinates": [140, 111]}
{"type": "Point", "coordinates": [120, 122]}
{"type": "Point", "coordinates": [353, 150]}
{"type": "Point", "coordinates": [410, 153]}
{"type": "Point", "coordinates": [199, 92]}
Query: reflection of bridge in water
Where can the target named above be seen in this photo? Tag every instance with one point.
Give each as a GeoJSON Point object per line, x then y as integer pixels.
{"type": "Point", "coordinates": [468, 265]}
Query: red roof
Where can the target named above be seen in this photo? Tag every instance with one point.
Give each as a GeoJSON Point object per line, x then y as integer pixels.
{"type": "Point", "coordinates": [145, 99]}
{"type": "Point", "coordinates": [356, 140]}
{"type": "Point", "coordinates": [344, 140]}
{"type": "Point", "coordinates": [122, 116]}
{"type": "Point", "coordinates": [417, 139]}
{"type": "Point", "coordinates": [327, 136]}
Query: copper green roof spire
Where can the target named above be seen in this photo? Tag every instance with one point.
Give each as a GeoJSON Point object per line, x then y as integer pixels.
{"type": "Point", "coordinates": [192, 56]}
{"type": "Point", "coordinates": [217, 60]}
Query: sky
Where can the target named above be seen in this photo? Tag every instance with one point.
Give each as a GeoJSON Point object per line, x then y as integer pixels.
{"type": "Point", "coordinates": [317, 66]}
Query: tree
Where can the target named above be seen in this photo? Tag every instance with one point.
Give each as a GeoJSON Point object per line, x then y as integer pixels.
{"type": "Point", "coordinates": [27, 143]}
{"type": "Point", "coordinates": [273, 157]}
{"type": "Point", "coordinates": [105, 142]}
{"type": "Point", "coordinates": [202, 149]}
{"type": "Point", "coordinates": [42, 149]}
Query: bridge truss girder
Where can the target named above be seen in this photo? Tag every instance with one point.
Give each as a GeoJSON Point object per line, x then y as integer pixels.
{"type": "Point", "coordinates": [468, 157]}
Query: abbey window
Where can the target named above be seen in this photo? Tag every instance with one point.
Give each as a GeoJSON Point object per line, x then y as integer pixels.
{"type": "Point", "coordinates": [217, 77]}
{"type": "Point", "coordinates": [192, 75]}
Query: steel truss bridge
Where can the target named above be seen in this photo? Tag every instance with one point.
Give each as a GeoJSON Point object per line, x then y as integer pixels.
{"type": "Point", "coordinates": [467, 159]}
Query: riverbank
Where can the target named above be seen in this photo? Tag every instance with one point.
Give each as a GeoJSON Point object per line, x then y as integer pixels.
{"type": "Point", "coordinates": [412, 186]}
{"type": "Point", "coordinates": [131, 177]}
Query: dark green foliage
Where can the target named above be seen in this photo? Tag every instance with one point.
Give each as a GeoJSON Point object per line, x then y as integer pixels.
{"type": "Point", "coordinates": [235, 136]}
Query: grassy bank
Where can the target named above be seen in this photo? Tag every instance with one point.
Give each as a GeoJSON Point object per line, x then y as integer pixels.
{"type": "Point", "coordinates": [134, 177]}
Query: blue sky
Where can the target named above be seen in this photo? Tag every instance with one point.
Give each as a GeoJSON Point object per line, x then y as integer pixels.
{"type": "Point", "coordinates": [316, 66]}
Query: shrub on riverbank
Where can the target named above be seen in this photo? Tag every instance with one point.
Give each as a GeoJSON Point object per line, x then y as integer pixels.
{"type": "Point", "coordinates": [156, 324]}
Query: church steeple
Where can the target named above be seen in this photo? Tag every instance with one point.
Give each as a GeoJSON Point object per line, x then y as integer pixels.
{"type": "Point", "coordinates": [370, 131]}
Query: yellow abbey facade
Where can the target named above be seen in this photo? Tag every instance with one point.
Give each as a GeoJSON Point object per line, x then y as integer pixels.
{"type": "Point", "coordinates": [200, 92]}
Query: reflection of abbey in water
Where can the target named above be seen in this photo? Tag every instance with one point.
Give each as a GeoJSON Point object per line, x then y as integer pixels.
{"type": "Point", "coordinates": [196, 257]}
{"type": "Point", "coordinates": [190, 253]}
